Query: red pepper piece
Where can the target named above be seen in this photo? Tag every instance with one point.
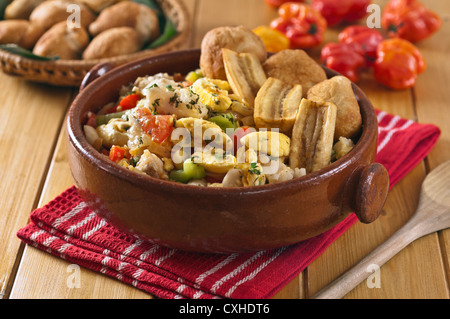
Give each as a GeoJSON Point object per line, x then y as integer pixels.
{"type": "Point", "coordinates": [345, 58]}
{"type": "Point", "coordinates": [398, 64]}
{"type": "Point", "coordinates": [367, 38]}
{"type": "Point", "coordinates": [127, 103]}
{"type": "Point", "coordinates": [118, 153]}
{"type": "Point", "coordinates": [303, 25]}
{"type": "Point", "coordinates": [130, 101]}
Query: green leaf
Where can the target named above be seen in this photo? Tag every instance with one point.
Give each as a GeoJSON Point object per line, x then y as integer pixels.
{"type": "Point", "coordinates": [3, 5]}
{"type": "Point", "coordinates": [170, 30]}
{"type": "Point", "coordinates": [14, 48]}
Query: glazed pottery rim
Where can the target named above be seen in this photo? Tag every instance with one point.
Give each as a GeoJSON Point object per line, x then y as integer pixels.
{"type": "Point", "coordinates": [79, 141]}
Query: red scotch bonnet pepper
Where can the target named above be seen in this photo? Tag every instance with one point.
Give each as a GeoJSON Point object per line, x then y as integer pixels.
{"type": "Point", "coordinates": [356, 49]}
{"type": "Point", "coordinates": [303, 25]}
{"type": "Point", "coordinates": [398, 64]}
{"type": "Point", "coordinates": [277, 3]}
{"type": "Point", "coordinates": [345, 58]}
{"type": "Point", "coordinates": [409, 20]}
{"type": "Point", "coordinates": [368, 39]}
{"type": "Point", "coordinates": [338, 11]}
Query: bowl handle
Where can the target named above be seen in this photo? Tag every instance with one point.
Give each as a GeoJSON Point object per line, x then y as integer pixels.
{"type": "Point", "coordinates": [371, 192]}
{"type": "Point", "coordinates": [96, 72]}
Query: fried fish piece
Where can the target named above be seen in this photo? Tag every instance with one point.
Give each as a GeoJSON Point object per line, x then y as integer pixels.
{"type": "Point", "coordinates": [338, 90]}
{"type": "Point", "coordinates": [294, 67]}
{"type": "Point", "coordinates": [245, 74]}
{"type": "Point", "coordinates": [276, 105]}
{"type": "Point", "coordinates": [312, 136]}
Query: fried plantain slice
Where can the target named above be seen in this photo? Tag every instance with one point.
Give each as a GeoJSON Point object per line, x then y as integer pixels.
{"type": "Point", "coordinates": [245, 74]}
{"type": "Point", "coordinates": [312, 135]}
{"type": "Point", "coordinates": [277, 104]}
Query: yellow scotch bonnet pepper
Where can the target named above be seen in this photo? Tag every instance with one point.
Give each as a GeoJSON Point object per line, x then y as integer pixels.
{"type": "Point", "coordinates": [274, 40]}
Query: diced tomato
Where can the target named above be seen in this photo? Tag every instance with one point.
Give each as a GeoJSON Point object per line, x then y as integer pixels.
{"type": "Point", "coordinates": [117, 153]}
{"type": "Point", "coordinates": [142, 112]}
{"type": "Point", "coordinates": [238, 134]}
{"type": "Point", "coordinates": [159, 127]}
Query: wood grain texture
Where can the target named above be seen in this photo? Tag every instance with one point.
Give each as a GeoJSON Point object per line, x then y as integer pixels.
{"type": "Point", "coordinates": [37, 267]}
{"type": "Point", "coordinates": [28, 127]}
{"type": "Point", "coordinates": [432, 214]}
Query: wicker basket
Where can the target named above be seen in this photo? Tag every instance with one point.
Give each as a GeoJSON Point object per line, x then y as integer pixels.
{"type": "Point", "coordinates": [68, 73]}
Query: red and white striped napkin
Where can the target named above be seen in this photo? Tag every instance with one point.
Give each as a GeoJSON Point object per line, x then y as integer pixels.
{"type": "Point", "coordinates": [67, 228]}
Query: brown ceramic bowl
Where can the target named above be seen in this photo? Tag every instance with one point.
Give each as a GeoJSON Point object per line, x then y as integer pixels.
{"type": "Point", "coordinates": [220, 220]}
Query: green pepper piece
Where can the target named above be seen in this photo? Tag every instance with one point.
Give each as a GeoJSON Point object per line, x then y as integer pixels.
{"type": "Point", "coordinates": [170, 30]}
{"type": "Point", "coordinates": [225, 122]}
{"type": "Point", "coordinates": [189, 172]}
{"type": "Point", "coordinates": [105, 118]}
{"type": "Point", "coordinates": [194, 76]}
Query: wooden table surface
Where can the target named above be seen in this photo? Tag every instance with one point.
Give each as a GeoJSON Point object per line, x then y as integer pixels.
{"type": "Point", "coordinates": [34, 169]}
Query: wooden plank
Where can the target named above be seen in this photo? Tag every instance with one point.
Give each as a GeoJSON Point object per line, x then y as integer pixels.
{"type": "Point", "coordinates": [42, 275]}
{"type": "Point", "coordinates": [31, 118]}
{"type": "Point", "coordinates": [410, 274]}
{"type": "Point", "coordinates": [212, 14]}
{"type": "Point", "coordinates": [432, 97]}
{"type": "Point", "coordinates": [417, 272]}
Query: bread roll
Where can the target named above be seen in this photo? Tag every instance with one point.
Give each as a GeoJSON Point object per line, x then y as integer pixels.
{"type": "Point", "coordinates": [20, 32]}
{"type": "Point", "coordinates": [98, 5]}
{"type": "Point", "coordinates": [51, 12]}
{"type": "Point", "coordinates": [295, 67]}
{"type": "Point", "coordinates": [21, 9]}
{"type": "Point", "coordinates": [113, 42]}
{"type": "Point", "coordinates": [62, 41]}
{"type": "Point", "coordinates": [239, 39]}
{"type": "Point", "coordinates": [128, 14]}
{"type": "Point", "coordinates": [338, 90]}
